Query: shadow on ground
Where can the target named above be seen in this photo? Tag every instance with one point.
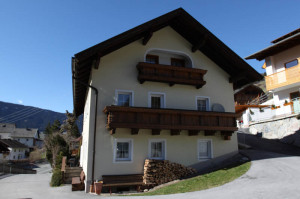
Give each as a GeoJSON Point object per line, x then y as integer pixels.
{"type": "Point", "coordinates": [275, 146]}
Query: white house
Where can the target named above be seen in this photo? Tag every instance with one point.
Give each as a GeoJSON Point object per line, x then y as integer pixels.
{"type": "Point", "coordinates": [162, 90]}
{"type": "Point", "coordinates": [6, 129]}
{"type": "Point", "coordinates": [282, 65]}
{"type": "Point", "coordinates": [28, 136]}
{"type": "Point", "coordinates": [13, 150]}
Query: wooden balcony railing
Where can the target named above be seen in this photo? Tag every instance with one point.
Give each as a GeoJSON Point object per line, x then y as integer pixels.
{"type": "Point", "coordinates": [174, 120]}
{"type": "Point", "coordinates": [283, 78]}
{"type": "Point", "coordinates": [170, 74]}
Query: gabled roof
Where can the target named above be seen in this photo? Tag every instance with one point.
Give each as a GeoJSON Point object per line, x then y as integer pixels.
{"type": "Point", "coordinates": [279, 45]}
{"type": "Point", "coordinates": [12, 143]}
{"type": "Point", "coordinates": [24, 133]}
{"type": "Point", "coordinates": [7, 128]}
{"type": "Point", "coordinates": [200, 38]}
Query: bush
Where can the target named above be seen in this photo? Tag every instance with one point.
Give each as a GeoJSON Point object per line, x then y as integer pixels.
{"type": "Point", "coordinates": [56, 179]}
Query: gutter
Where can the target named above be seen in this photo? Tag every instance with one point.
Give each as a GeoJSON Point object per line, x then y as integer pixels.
{"type": "Point", "coordinates": [95, 122]}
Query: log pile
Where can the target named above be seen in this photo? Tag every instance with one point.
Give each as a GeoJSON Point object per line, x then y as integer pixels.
{"type": "Point", "coordinates": [158, 172]}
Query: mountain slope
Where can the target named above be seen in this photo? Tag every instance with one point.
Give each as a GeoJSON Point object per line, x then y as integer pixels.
{"type": "Point", "coordinates": [30, 117]}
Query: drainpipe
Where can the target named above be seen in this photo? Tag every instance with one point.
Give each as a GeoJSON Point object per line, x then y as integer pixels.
{"type": "Point", "coordinates": [95, 123]}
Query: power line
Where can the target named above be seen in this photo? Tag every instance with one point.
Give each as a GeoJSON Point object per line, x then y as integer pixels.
{"type": "Point", "coordinates": [26, 116]}
{"type": "Point", "coordinates": [9, 115]}
{"type": "Point", "coordinates": [19, 114]}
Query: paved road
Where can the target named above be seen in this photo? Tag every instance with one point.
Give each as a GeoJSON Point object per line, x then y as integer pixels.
{"type": "Point", "coordinates": [271, 176]}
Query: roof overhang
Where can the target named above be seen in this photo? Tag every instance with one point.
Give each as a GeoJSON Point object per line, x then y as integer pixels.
{"type": "Point", "coordinates": [200, 38]}
{"type": "Point", "coordinates": [278, 47]}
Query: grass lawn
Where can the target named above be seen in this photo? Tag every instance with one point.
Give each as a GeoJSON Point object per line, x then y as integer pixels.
{"type": "Point", "coordinates": [201, 182]}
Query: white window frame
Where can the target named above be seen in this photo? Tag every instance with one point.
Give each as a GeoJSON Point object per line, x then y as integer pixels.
{"type": "Point", "coordinates": [164, 145]}
{"type": "Point", "coordinates": [207, 102]}
{"type": "Point", "coordinates": [117, 92]}
{"type": "Point", "coordinates": [157, 94]}
{"type": "Point", "coordinates": [211, 149]}
{"type": "Point", "coordinates": [130, 159]}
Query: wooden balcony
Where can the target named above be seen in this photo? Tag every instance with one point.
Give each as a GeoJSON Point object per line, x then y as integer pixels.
{"type": "Point", "coordinates": [170, 74]}
{"type": "Point", "coordinates": [175, 120]}
{"type": "Point", "coordinates": [283, 78]}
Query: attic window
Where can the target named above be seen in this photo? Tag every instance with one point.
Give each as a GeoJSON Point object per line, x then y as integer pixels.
{"type": "Point", "coordinates": [291, 63]}
{"type": "Point", "coordinates": [152, 59]}
{"type": "Point", "coordinates": [177, 62]}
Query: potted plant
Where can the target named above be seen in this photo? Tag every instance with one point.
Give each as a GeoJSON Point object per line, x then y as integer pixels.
{"type": "Point", "coordinates": [286, 103]}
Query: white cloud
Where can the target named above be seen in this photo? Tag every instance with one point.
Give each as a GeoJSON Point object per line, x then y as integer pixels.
{"type": "Point", "coordinates": [20, 101]}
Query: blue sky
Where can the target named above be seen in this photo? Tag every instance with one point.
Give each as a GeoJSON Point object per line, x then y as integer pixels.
{"type": "Point", "coordinates": [38, 38]}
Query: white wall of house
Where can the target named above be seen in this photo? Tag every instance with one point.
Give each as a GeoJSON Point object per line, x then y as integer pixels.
{"type": "Point", "coordinates": [16, 153]}
{"type": "Point", "coordinates": [118, 71]}
{"type": "Point", "coordinates": [5, 136]}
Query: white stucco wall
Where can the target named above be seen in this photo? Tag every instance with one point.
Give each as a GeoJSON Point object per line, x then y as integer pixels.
{"type": "Point", "coordinates": [118, 71]}
{"type": "Point", "coordinates": [15, 153]}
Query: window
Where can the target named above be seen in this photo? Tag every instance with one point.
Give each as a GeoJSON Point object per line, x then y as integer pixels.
{"type": "Point", "coordinates": [204, 149]}
{"type": "Point", "coordinates": [157, 149]}
{"type": "Point", "coordinates": [202, 103]}
{"type": "Point", "coordinates": [294, 95]}
{"type": "Point", "coordinates": [177, 62]}
{"type": "Point", "coordinates": [291, 63]}
{"type": "Point", "coordinates": [15, 150]}
{"type": "Point", "coordinates": [123, 150]}
{"type": "Point", "coordinates": [124, 98]}
{"type": "Point", "coordinates": [152, 59]}
{"type": "Point", "coordinates": [156, 100]}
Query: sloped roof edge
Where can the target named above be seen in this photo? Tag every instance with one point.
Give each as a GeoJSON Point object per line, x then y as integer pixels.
{"type": "Point", "coordinates": [187, 27]}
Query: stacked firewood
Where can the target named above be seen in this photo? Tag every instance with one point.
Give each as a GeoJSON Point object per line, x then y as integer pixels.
{"type": "Point", "coordinates": [158, 172]}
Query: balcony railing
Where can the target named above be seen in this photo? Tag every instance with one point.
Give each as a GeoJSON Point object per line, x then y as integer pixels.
{"type": "Point", "coordinates": [283, 78]}
{"type": "Point", "coordinates": [175, 120]}
{"type": "Point", "coordinates": [170, 74]}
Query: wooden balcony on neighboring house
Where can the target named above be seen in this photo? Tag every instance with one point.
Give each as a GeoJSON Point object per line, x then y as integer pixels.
{"type": "Point", "coordinates": [170, 74]}
{"type": "Point", "coordinates": [175, 120]}
{"type": "Point", "coordinates": [283, 78]}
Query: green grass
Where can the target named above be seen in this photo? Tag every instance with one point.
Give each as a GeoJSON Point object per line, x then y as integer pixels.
{"type": "Point", "coordinates": [202, 182]}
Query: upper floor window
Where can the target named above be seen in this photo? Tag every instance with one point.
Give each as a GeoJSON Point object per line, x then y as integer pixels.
{"type": "Point", "coordinates": [156, 100]}
{"type": "Point", "coordinates": [291, 63]}
{"type": "Point", "coordinates": [152, 59]}
{"type": "Point", "coordinates": [177, 62]}
{"type": "Point", "coordinates": [124, 98]}
{"type": "Point", "coordinates": [202, 103]}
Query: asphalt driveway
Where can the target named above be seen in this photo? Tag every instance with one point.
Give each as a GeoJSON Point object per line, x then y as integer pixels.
{"type": "Point", "coordinates": [271, 175]}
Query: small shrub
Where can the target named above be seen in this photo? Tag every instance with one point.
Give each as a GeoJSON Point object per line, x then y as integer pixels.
{"type": "Point", "coordinates": [56, 179]}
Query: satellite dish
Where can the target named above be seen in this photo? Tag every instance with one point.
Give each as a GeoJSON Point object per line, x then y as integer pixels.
{"type": "Point", "coordinates": [218, 108]}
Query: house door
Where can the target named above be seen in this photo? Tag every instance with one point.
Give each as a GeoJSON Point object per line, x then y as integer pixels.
{"type": "Point", "coordinates": [294, 97]}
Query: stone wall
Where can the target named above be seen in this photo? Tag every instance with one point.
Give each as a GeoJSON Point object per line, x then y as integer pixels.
{"type": "Point", "coordinates": [276, 128]}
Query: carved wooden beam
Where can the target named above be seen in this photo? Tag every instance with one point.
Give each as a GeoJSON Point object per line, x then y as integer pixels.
{"type": "Point", "coordinates": [147, 38]}
{"type": "Point", "coordinates": [200, 44]}
{"type": "Point", "coordinates": [156, 131]}
{"type": "Point", "coordinates": [175, 132]}
{"type": "Point", "coordinates": [112, 131]}
{"type": "Point", "coordinates": [209, 133]}
{"type": "Point", "coordinates": [97, 61]}
{"type": "Point", "coordinates": [193, 132]}
{"type": "Point", "coordinates": [242, 75]}
{"type": "Point", "coordinates": [134, 131]}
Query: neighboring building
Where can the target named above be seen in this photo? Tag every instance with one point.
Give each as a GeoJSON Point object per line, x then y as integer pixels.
{"type": "Point", "coordinates": [17, 150]}
{"type": "Point", "coordinates": [162, 90]}
{"type": "Point", "coordinates": [282, 65]}
{"type": "Point", "coordinates": [6, 130]}
{"type": "Point", "coordinates": [28, 136]}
